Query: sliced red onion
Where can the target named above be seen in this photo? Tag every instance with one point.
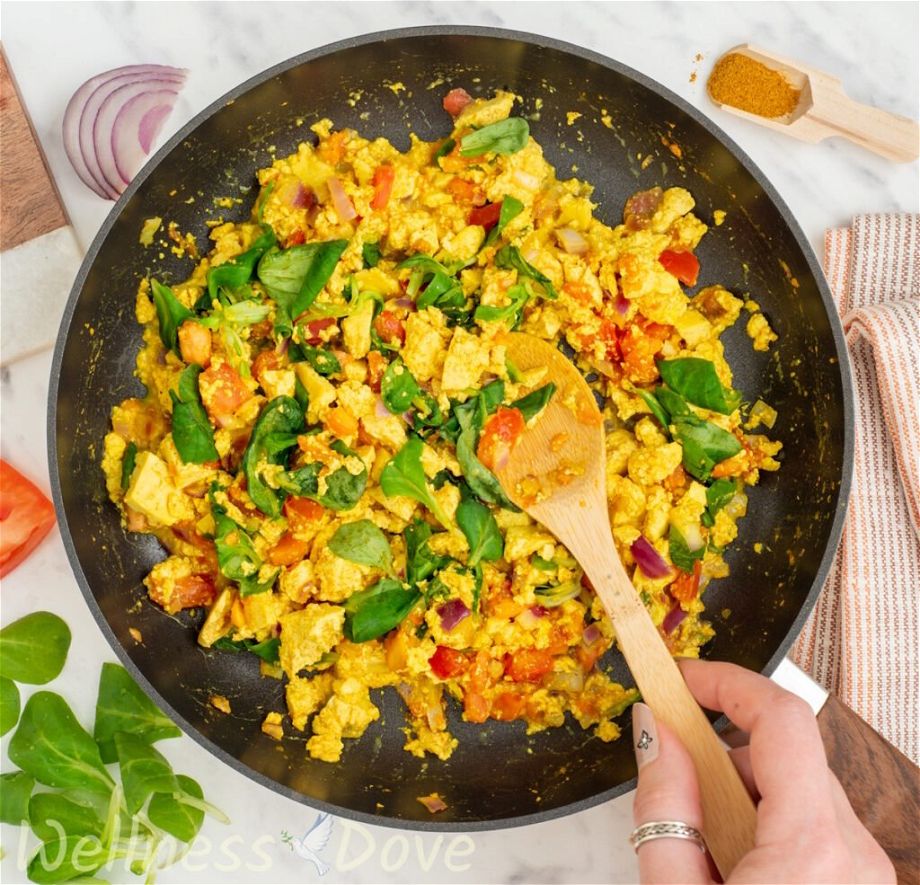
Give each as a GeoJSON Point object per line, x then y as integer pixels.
{"type": "Point", "coordinates": [649, 559]}
{"type": "Point", "coordinates": [407, 303]}
{"type": "Point", "coordinates": [452, 613]}
{"type": "Point", "coordinates": [380, 408]}
{"type": "Point", "coordinates": [344, 208]}
{"type": "Point", "coordinates": [673, 619]}
{"type": "Point", "coordinates": [123, 144]}
{"type": "Point", "coordinates": [530, 618]}
{"type": "Point", "coordinates": [591, 634]}
{"type": "Point", "coordinates": [621, 304]}
{"type": "Point", "coordinates": [572, 241]}
{"type": "Point", "coordinates": [83, 110]}
{"type": "Point", "coordinates": [303, 198]}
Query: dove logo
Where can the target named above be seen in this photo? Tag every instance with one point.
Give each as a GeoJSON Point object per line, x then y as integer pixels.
{"type": "Point", "coordinates": [312, 842]}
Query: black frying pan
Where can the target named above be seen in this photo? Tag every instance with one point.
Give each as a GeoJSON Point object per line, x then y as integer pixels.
{"type": "Point", "coordinates": [498, 776]}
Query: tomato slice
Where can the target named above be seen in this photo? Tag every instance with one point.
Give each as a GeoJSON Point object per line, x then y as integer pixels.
{"type": "Point", "coordinates": [223, 391]}
{"type": "Point", "coordinates": [288, 550]}
{"type": "Point", "coordinates": [301, 513]}
{"type": "Point", "coordinates": [499, 435]}
{"type": "Point", "coordinates": [26, 516]}
{"type": "Point", "coordinates": [447, 662]}
{"type": "Point", "coordinates": [456, 100]}
{"type": "Point", "coordinates": [383, 186]}
{"type": "Point", "coordinates": [683, 265]}
{"type": "Point", "coordinates": [312, 329]}
{"type": "Point", "coordinates": [487, 215]}
{"type": "Point", "coordinates": [390, 327]}
{"type": "Point", "coordinates": [687, 584]}
{"type": "Point", "coordinates": [528, 664]}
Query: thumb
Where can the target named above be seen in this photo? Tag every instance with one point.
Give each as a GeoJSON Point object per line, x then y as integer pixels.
{"type": "Point", "coordinates": [667, 791]}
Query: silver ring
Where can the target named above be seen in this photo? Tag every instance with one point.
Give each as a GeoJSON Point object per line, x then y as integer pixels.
{"type": "Point", "coordinates": [665, 829]}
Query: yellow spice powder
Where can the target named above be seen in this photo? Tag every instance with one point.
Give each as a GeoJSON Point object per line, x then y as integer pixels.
{"type": "Point", "coordinates": [741, 82]}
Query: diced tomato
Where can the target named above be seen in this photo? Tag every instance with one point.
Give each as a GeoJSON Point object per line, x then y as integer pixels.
{"type": "Point", "coordinates": [687, 585]}
{"type": "Point", "coordinates": [195, 343]}
{"type": "Point", "coordinates": [476, 706]}
{"type": "Point", "coordinates": [301, 513]}
{"type": "Point", "coordinates": [26, 516]}
{"type": "Point", "coordinates": [587, 655]}
{"type": "Point", "coordinates": [456, 100]}
{"type": "Point", "coordinates": [499, 435]}
{"type": "Point", "coordinates": [383, 186]}
{"type": "Point", "coordinates": [683, 265]}
{"type": "Point", "coordinates": [223, 391]}
{"type": "Point", "coordinates": [390, 327]}
{"type": "Point", "coordinates": [487, 215]}
{"type": "Point", "coordinates": [191, 591]}
{"type": "Point", "coordinates": [447, 662]}
{"type": "Point", "coordinates": [641, 207]}
{"type": "Point", "coordinates": [311, 331]}
{"type": "Point", "coordinates": [267, 360]}
{"type": "Point", "coordinates": [508, 706]}
{"type": "Point", "coordinates": [332, 149]}
{"type": "Point", "coordinates": [528, 664]}
{"type": "Point", "coordinates": [463, 191]}
{"type": "Point", "coordinates": [341, 423]}
{"type": "Point", "coordinates": [288, 550]}
{"type": "Point", "coordinates": [376, 366]}
{"type": "Point", "coordinates": [296, 239]}
{"type": "Point", "coordinates": [640, 345]}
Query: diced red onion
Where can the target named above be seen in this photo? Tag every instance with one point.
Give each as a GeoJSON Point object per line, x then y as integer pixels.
{"type": "Point", "coordinates": [673, 619]}
{"type": "Point", "coordinates": [591, 634]}
{"type": "Point", "coordinates": [112, 121]}
{"type": "Point", "coordinates": [452, 613]}
{"type": "Point", "coordinates": [407, 303]}
{"type": "Point", "coordinates": [344, 208]}
{"type": "Point", "coordinates": [572, 241]}
{"type": "Point", "coordinates": [529, 619]}
{"type": "Point", "coordinates": [302, 197]}
{"type": "Point", "coordinates": [621, 304]}
{"type": "Point", "coordinates": [380, 408]}
{"type": "Point", "coordinates": [649, 559]}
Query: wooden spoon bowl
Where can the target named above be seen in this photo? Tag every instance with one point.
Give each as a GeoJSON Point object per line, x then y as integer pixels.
{"type": "Point", "coordinates": [556, 473]}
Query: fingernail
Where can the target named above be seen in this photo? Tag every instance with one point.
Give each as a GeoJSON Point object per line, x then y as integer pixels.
{"type": "Point", "coordinates": [645, 735]}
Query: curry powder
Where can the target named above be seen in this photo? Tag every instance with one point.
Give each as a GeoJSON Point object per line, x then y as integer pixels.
{"type": "Point", "coordinates": [744, 83]}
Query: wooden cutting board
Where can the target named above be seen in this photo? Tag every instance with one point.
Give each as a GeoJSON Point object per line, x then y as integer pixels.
{"type": "Point", "coordinates": [39, 254]}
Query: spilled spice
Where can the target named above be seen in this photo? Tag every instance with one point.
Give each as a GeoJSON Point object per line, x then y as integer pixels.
{"type": "Point", "coordinates": [744, 83]}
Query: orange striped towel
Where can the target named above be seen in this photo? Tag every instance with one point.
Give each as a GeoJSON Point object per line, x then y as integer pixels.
{"type": "Point", "coordinates": [861, 642]}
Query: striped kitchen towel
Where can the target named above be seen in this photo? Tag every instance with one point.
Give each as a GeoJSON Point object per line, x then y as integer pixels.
{"type": "Point", "coordinates": [861, 642]}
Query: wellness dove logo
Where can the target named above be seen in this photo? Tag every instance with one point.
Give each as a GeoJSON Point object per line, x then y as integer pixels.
{"type": "Point", "coordinates": [312, 842]}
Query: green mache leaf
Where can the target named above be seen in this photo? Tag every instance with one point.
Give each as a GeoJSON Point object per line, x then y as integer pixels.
{"type": "Point", "coordinates": [364, 543]}
{"type": "Point", "coordinates": [343, 488]}
{"type": "Point", "coordinates": [510, 258]}
{"type": "Point", "coordinates": [511, 208]}
{"type": "Point", "coordinates": [370, 254]}
{"type": "Point", "coordinates": [295, 276]}
{"type": "Point", "coordinates": [53, 816]}
{"type": "Point", "coordinates": [122, 706]}
{"type": "Point", "coordinates": [323, 361]}
{"type": "Point", "coordinates": [34, 648]}
{"type": "Point", "coordinates": [237, 557]}
{"type": "Point", "coordinates": [275, 432]}
{"type": "Point", "coordinates": [656, 408]}
{"type": "Point", "coordinates": [175, 816]}
{"type": "Point", "coordinates": [9, 704]}
{"type": "Point", "coordinates": [267, 649]}
{"type": "Point", "coordinates": [375, 611]}
{"type": "Point", "coordinates": [556, 595]}
{"type": "Point", "coordinates": [53, 747]}
{"type": "Point", "coordinates": [704, 445]}
{"type": "Point", "coordinates": [544, 565]}
{"type": "Point", "coordinates": [534, 402]}
{"type": "Point", "coordinates": [128, 461]}
{"type": "Point", "coordinates": [171, 313]}
{"type": "Point", "coordinates": [681, 555]}
{"type": "Point", "coordinates": [398, 388]}
{"type": "Point", "coordinates": [421, 561]}
{"type": "Point", "coordinates": [191, 429]}
{"type": "Point", "coordinates": [697, 382]}
{"type": "Point", "coordinates": [443, 151]}
{"type": "Point", "coordinates": [504, 137]}
{"type": "Point", "coordinates": [719, 494]}
{"type": "Point", "coordinates": [673, 403]}
{"type": "Point", "coordinates": [15, 789]}
{"type": "Point", "coordinates": [236, 273]}
{"type": "Point", "coordinates": [481, 531]}
{"type": "Point", "coordinates": [482, 482]}
{"type": "Point", "coordinates": [73, 858]}
{"type": "Point", "coordinates": [144, 771]}
{"type": "Point", "coordinates": [510, 313]}
{"type": "Point", "coordinates": [403, 475]}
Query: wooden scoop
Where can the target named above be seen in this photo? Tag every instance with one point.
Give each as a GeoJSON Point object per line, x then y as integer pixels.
{"type": "Point", "coordinates": [824, 110]}
{"type": "Point", "coordinates": [556, 473]}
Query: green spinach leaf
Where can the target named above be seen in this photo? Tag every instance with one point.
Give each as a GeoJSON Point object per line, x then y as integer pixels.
{"type": "Point", "coordinates": [53, 747]}
{"type": "Point", "coordinates": [421, 561]}
{"type": "Point", "coordinates": [398, 388]}
{"type": "Point", "coordinates": [274, 433]}
{"type": "Point", "coordinates": [697, 382]}
{"type": "Point", "coordinates": [128, 462]}
{"type": "Point", "coordinates": [122, 707]}
{"type": "Point", "coordinates": [343, 488]}
{"type": "Point", "coordinates": [9, 705]}
{"type": "Point", "coordinates": [681, 555]}
{"type": "Point", "coordinates": [144, 771]}
{"type": "Point", "coordinates": [191, 429]}
{"type": "Point", "coordinates": [236, 273]}
{"type": "Point", "coordinates": [370, 254]}
{"type": "Point", "coordinates": [511, 208]}
{"type": "Point", "coordinates": [237, 558]}
{"type": "Point", "coordinates": [534, 402]}
{"type": "Point", "coordinates": [72, 858]}
{"type": "Point", "coordinates": [53, 815]}
{"type": "Point", "coordinates": [481, 531]}
{"type": "Point", "coordinates": [267, 649]}
{"type": "Point", "coordinates": [509, 257]}
{"type": "Point", "coordinates": [510, 313]}
{"type": "Point", "coordinates": [483, 483]}
{"type": "Point", "coordinates": [364, 543]}
{"type": "Point", "coordinates": [34, 648]}
{"type": "Point", "coordinates": [375, 611]}
{"type": "Point", "coordinates": [15, 789]}
{"type": "Point", "coordinates": [718, 495]}
{"type": "Point", "coordinates": [403, 475]}
{"type": "Point", "coordinates": [176, 817]}
{"type": "Point", "coordinates": [171, 313]}
{"type": "Point", "coordinates": [324, 362]}
{"type": "Point", "coordinates": [656, 408]}
{"type": "Point", "coordinates": [504, 137]}
{"type": "Point", "coordinates": [704, 445]}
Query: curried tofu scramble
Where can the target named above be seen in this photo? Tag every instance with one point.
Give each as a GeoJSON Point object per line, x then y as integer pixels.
{"type": "Point", "coordinates": [328, 394]}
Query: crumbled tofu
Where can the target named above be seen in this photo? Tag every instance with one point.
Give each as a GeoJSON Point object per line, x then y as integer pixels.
{"type": "Point", "coordinates": [305, 696]}
{"type": "Point", "coordinates": [272, 726]}
{"type": "Point", "coordinates": [307, 634]}
{"type": "Point", "coordinates": [219, 702]}
{"type": "Point", "coordinates": [467, 358]}
{"type": "Point", "coordinates": [152, 493]}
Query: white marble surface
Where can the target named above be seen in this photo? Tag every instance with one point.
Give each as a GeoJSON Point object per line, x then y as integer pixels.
{"type": "Point", "coordinates": [53, 47]}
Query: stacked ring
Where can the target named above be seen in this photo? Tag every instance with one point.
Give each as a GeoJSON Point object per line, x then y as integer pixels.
{"type": "Point", "coordinates": [665, 829]}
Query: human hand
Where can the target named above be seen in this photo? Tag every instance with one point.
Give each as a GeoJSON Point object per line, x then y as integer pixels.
{"type": "Point", "coordinates": [806, 829]}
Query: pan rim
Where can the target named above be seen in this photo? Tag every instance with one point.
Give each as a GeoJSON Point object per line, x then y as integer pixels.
{"type": "Point", "coordinates": [152, 165]}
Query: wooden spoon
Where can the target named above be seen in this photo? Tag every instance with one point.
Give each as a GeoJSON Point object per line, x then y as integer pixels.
{"type": "Point", "coordinates": [556, 473]}
{"type": "Point", "coordinates": [824, 110]}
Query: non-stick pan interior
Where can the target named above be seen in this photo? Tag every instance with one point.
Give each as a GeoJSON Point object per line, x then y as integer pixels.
{"type": "Point", "coordinates": [389, 86]}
